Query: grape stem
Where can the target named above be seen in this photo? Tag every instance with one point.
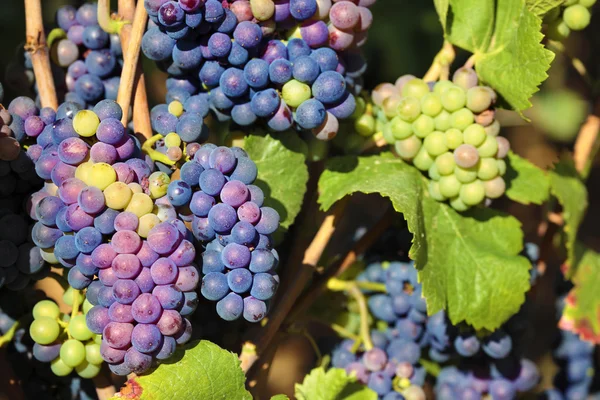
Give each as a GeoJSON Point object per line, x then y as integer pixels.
{"type": "Point", "coordinates": [440, 68]}
{"type": "Point", "coordinates": [338, 285]}
{"type": "Point", "coordinates": [10, 334]}
{"type": "Point", "coordinates": [365, 335]}
{"type": "Point", "coordinates": [75, 309]}
{"type": "Point", "coordinates": [109, 23]}
{"type": "Point", "coordinates": [587, 143]}
{"type": "Point", "coordinates": [154, 154]}
{"type": "Point", "coordinates": [38, 49]}
{"type": "Point", "coordinates": [343, 332]}
{"type": "Point", "coordinates": [470, 61]}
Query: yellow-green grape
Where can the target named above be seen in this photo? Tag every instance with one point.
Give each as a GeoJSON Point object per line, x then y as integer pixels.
{"type": "Point", "coordinates": [408, 148]}
{"type": "Point", "coordinates": [399, 128]}
{"type": "Point", "coordinates": [176, 108]}
{"type": "Point", "coordinates": [88, 370]}
{"type": "Point", "coordinates": [72, 352]}
{"type": "Point", "coordinates": [465, 175]}
{"type": "Point", "coordinates": [390, 105]}
{"type": "Point", "coordinates": [46, 308]}
{"type": "Point", "coordinates": [501, 167]}
{"type": "Point", "coordinates": [487, 168]}
{"type": "Point", "coordinates": [443, 121]}
{"type": "Point", "coordinates": [147, 222]}
{"type": "Point", "coordinates": [92, 353]}
{"type": "Point", "coordinates": [431, 104]}
{"type": "Point", "coordinates": [445, 164]}
{"type": "Point", "coordinates": [382, 92]}
{"type": "Point", "coordinates": [449, 186]}
{"type": "Point", "coordinates": [472, 193]}
{"type": "Point", "coordinates": [489, 148]}
{"type": "Point", "coordinates": [433, 172]}
{"type": "Point", "coordinates": [158, 183]}
{"type": "Point", "coordinates": [479, 98]}
{"type": "Point", "coordinates": [295, 93]}
{"type": "Point", "coordinates": [360, 108]}
{"type": "Point", "coordinates": [98, 339]}
{"type": "Point", "coordinates": [465, 77]}
{"type": "Point", "coordinates": [415, 88]}
{"type": "Point", "coordinates": [101, 175]}
{"type": "Point", "coordinates": [386, 131]}
{"type": "Point", "coordinates": [440, 87]}
{"type": "Point", "coordinates": [86, 123]}
{"type": "Point", "coordinates": [87, 306]}
{"type": "Point", "coordinates": [462, 118]}
{"type": "Point", "coordinates": [587, 3]}
{"type": "Point", "coordinates": [172, 139]}
{"type": "Point", "coordinates": [365, 125]}
{"type": "Point", "coordinates": [435, 144]}
{"type": "Point", "coordinates": [71, 294]}
{"type": "Point", "coordinates": [458, 204]}
{"type": "Point", "coordinates": [493, 129]}
{"type": "Point", "coordinates": [59, 368]}
{"type": "Point", "coordinates": [454, 98]}
{"type": "Point", "coordinates": [409, 109]}
{"type": "Point", "coordinates": [474, 135]}
{"type": "Point", "coordinates": [48, 256]}
{"type": "Point", "coordinates": [135, 187]}
{"type": "Point", "coordinates": [558, 30]}
{"type": "Point", "coordinates": [423, 126]}
{"type": "Point", "coordinates": [423, 160]}
{"type": "Point", "coordinates": [83, 170]}
{"type": "Point", "coordinates": [44, 330]}
{"type": "Point", "coordinates": [140, 204]}
{"type": "Point", "coordinates": [262, 10]}
{"type": "Point", "coordinates": [453, 138]}
{"type": "Point", "coordinates": [466, 156]}
{"type": "Point", "coordinates": [494, 188]}
{"type": "Point", "coordinates": [577, 17]}
{"type": "Point", "coordinates": [434, 191]}
{"type": "Point", "coordinates": [78, 328]}
{"type": "Point", "coordinates": [117, 195]}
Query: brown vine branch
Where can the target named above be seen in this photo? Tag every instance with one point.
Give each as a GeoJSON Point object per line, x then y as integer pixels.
{"type": "Point", "coordinates": [38, 49]}
{"type": "Point", "coordinates": [587, 144]}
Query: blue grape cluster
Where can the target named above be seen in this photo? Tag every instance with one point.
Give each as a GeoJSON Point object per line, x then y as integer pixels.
{"type": "Point", "coordinates": [217, 197]}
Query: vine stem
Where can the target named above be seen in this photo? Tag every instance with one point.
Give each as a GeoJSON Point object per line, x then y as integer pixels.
{"type": "Point", "coordinates": [10, 334]}
{"type": "Point", "coordinates": [587, 144]}
{"type": "Point", "coordinates": [441, 63]}
{"type": "Point", "coordinates": [343, 332]}
{"type": "Point", "coordinates": [364, 316]}
{"type": "Point", "coordinates": [75, 309]}
{"type": "Point", "coordinates": [37, 47]}
{"type": "Point", "coordinates": [338, 285]}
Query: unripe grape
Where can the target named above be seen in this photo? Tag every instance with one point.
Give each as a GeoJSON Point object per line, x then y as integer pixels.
{"type": "Point", "coordinates": [454, 98]}
{"type": "Point", "coordinates": [431, 104]}
{"type": "Point", "coordinates": [59, 368]}
{"type": "Point", "coordinates": [503, 146]}
{"type": "Point", "coordinates": [409, 109]}
{"type": "Point", "coordinates": [558, 30]}
{"type": "Point", "coordinates": [117, 195]}
{"type": "Point", "coordinates": [92, 353]}
{"type": "Point", "coordinates": [408, 148]}
{"type": "Point", "coordinates": [465, 77]}
{"type": "Point", "coordinates": [465, 175]}
{"type": "Point", "coordinates": [135, 187]}
{"type": "Point", "coordinates": [449, 186]}
{"type": "Point", "coordinates": [462, 118]}
{"type": "Point", "coordinates": [445, 164]}
{"type": "Point", "coordinates": [72, 353]}
{"type": "Point", "coordinates": [44, 330]}
{"type": "Point", "coordinates": [587, 3]}
{"type": "Point", "coordinates": [390, 105]}
{"type": "Point", "coordinates": [474, 134]}
{"type": "Point", "coordinates": [454, 138]}
{"type": "Point", "coordinates": [88, 370]}
{"type": "Point", "coordinates": [46, 308]}
{"type": "Point", "coordinates": [434, 191]}
{"type": "Point", "coordinates": [577, 17]}
{"type": "Point", "coordinates": [440, 87]}
{"type": "Point", "coordinates": [466, 156]}
{"type": "Point", "coordinates": [479, 99]}
{"type": "Point", "coordinates": [365, 125]}
{"type": "Point", "coordinates": [71, 295]}
{"type": "Point", "coordinates": [458, 204]}
{"type": "Point", "coordinates": [295, 93]}
{"type": "Point", "coordinates": [423, 160]}
{"type": "Point", "coordinates": [83, 171]}
{"type": "Point", "coordinates": [435, 144]}
{"type": "Point", "coordinates": [472, 193]}
{"type": "Point", "coordinates": [401, 81]}
{"type": "Point", "coordinates": [423, 126]}
{"type": "Point", "coordinates": [262, 9]}
{"type": "Point", "coordinates": [382, 92]}
{"type": "Point", "coordinates": [433, 172]}
{"type": "Point", "coordinates": [176, 108]}
{"type": "Point", "coordinates": [158, 183]}
{"type": "Point", "coordinates": [147, 222]}
{"type": "Point", "coordinates": [489, 148]}
{"type": "Point", "coordinates": [487, 168]}
{"type": "Point", "coordinates": [86, 123]}
{"type": "Point", "coordinates": [415, 88]}
{"type": "Point", "coordinates": [486, 117]}
{"type": "Point", "coordinates": [101, 176]}
{"type": "Point", "coordinates": [494, 188]}
{"type": "Point", "coordinates": [443, 121]}
{"type": "Point", "coordinates": [400, 129]}
{"type": "Point", "coordinates": [140, 204]}
{"type": "Point", "coordinates": [173, 139]}
{"type": "Point", "coordinates": [493, 129]}
{"type": "Point", "coordinates": [501, 167]}
{"type": "Point", "coordinates": [78, 328]}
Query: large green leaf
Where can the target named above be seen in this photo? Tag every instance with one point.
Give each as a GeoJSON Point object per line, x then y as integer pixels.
{"type": "Point", "coordinates": [566, 185]}
{"type": "Point", "coordinates": [441, 7]}
{"type": "Point", "coordinates": [468, 263]}
{"type": "Point", "coordinates": [525, 182]}
{"type": "Point", "coordinates": [541, 7]}
{"type": "Point", "coordinates": [582, 305]}
{"type": "Point", "coordinates": [282, 172]}
{"type": "Point", "coordinates": [470, 24]}
{"type": "Point", "coordinates": [199, 370]}
{"type": "Point", "coordinates": [334, 384]}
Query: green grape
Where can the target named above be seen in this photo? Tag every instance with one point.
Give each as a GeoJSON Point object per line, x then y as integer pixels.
{"type": "Point", "coordinates": [466, 156]}
{"type": "Point", "coordinates": [98, 339]}
{"type": "Point", "coordinates": [454, 99]}
{"type": "Point", "coordinates": [361, 107]}
{"type": "Point", "coordinates": [173, 139]}
{"type": "Point", "coordinates": [423, 160]}
{"type": "Point", "coordinates": [400, 129]}
{"type": "Point", "coordinates": [78, 328]}
{"type": "Point", "coordinates": [479, 99]}
{"type": "Point", "coordinates": [449, 186]}
{"type": "Point", "coordinates": [415, 88]}
{"type": "Point", "coordinates": [382, 92]}
{"type": "Point", "coordinates": [431, 104]}
{"type": "Point", "coordinates": [577, 17]}
{"type": "Point", "coordinates": [434, 191]}
{"type": "Point", "coordinates": [454, 138]}
{"type": "Point", "coordinates": [489, 148]}
{"type": "Point", "coordinates": [149, 221]}
{"type": "Point", "coordinates": [423, 126]}
{"type": "Point", "coordinates": [88, 370]}
{"type": "Point", "coordinates": [443, 121]}
{"type": "Point", "coordinates": [65, 318]}
{"type": "Point", "coordinates": [445, 164]}
{"type": "Point", "coordinates": [487, 168]}
{"type": "Point", "coordinates": [435, 144]}
{"type": "Point", "coordinates": [364, 125]}
{"type": "Point", "coordinates": [472, 193]}
{"type": "Point", "coordinates": [387, 134]}
{"type": "Point", "coordinates": [85, 123]}
{"type": "Point", "coordinates": [140, 204]}
{"type": "Point", "coordinates": [433, 172]}
{"type": "Point", "coordinates": [69, 296]}
{"type": "Point", "coordinates": [440, 87]}
{"type": "Point", "coordinates": [72, 352]}
{"type": "Point", "coordinates": [295, 93]}
{"type": "Point", "coordinates": [462, 118]}
{"type": "Point", "coordinates": [408, 148]}
{"type": "Point", "coordinates": [92, 353]}
{"type": "Point", "coordinates": [59, 368]}
{"type": "Point", "coordinates": [158, 183]}
{"type": "Point", "coordinates": [117, 195]}
{"type": "Point", "coordinates": [465, 175]}
{"type": "Point", "coordinates": [46, 308]}
{"type": "Point", "coordinates": [465, 77]}
{"type": "Point", "coordinates": [494, 188]}
{"type": "Point", "coordinates": [493, 129]}
{"type": "Point", "coordinates": [558, 30]}
{"type": "Point", "coordinates": [458, 204]}
{"type": "Point", "coordinates": [501, 167]}
{"type": "Point", "coordinates": [44, 330]}
{"type": "Point", "coordinates": [87, 306]}
{"type": "Point", "coordinates": [390, 105]}
{"type": "Point", "coordinates": [409, 109]}
{"type": "Point", "coordinates": [587, 3]}
{"type": "Point", "coordinates": [100, 175]}
{"type": "Point", "coordinates": [176, 108]}
{"type": "Point", "coordinates": [474, 135]}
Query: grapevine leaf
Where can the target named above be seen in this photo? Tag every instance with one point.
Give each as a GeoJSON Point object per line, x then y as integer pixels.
{"type": "Point", "coordinates": [282, 172]}
{"type": "Point", "coordinates": [516, 62]}
{"type": "Point", "coordinates": [470, 24]}
{"type": "Point", "coordinates": [335, 384]}
{"type": "Point", "coordinates": [541, 7]}
{"type": "Point", "coordinates": [280, 397]}
{"type": "Point", "coordinates": [581, 314]}
{"type": "Point", "coordinates": [567, 187]}
{"type": "Point", "coordinates": [525, 182]}
{"type": "Point", "coordinates": [441, 6]}
{"type": "Point", "coordinates": [468, 263]}
{"type": "Point", "coordinates": [199, 370]}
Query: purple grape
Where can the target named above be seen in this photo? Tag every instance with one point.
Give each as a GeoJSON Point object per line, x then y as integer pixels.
{"type": "Point", "coordinates": [97, 319]}
{"type": "Point", "coordinates": [117, 334]}
{"type": "Point", "coordinates": [103, 256]}
{"type": "Point", "coordinates": [126, 242]}
{"type": "Point", "coordinates": [234, 193]}
{"type": "Point", "coordinates": [230, 307]}
{"type": "Point", "coordinates": [76, 218]}
{"type": "Point", "coordinates": [222, 217]}
{"type": "Point", "coordinates": [170, 323]}
{"type": "Point", "coordinates": [169, 296]}
{"type": "Point", "coordinates": [120, 312]}
{"type": "Point", "coordinates": [254, 309]}
{"type": "Point", "coordinates": [137, 362]}
{"type": "Point", "coordinates": [146, 255]}
{"type": "Point", "coordinates": [108, 277]}
{"type": "Point", "coordinates": [188, 278]}
{"type": "Point", "coordinates": [125, 291]}
{"type": "Point", "coordinates": [164, 238]}
{"type": "Point", "coordinates": [184, 254]}
{"type": "Point", "coordinates": [146, 309]}
{"type": "Point", "coordinates": [126, 266]}
{"type": "Point", "coordinates": [164, 271]}
{"type": "Point", "coordinates": [126, 221]}
{"type": "Point", "coordinates": [103, 152]}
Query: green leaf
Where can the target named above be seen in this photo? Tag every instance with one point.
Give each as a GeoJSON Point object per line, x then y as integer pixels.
{"type": "Point", "coordinates": [525, 182]}
{"type": "Point", "coordinates": [541, 7]}
{"type": "Point", "coordinates": [441, 7]}
{"type": "Point", "coordinates": [468, 263]}
{"type": "Point", "coordinates": [334, 384]}
{"type": "Point", "coordinates": [282, 172]}
{"type": "Point", "coordinates": [199, 370]}
{"type": "Point", "coordinates": [470, 24]}
{"type": "Point", "coordinates": [582, 305]}
{"type": "Point", "coordinates": [566, 185]}
{"type": "Point", "coordinates": [280, 397]}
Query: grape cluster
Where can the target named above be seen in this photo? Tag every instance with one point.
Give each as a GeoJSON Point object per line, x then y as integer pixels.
{"type": "Point", "coordinates": [572, 15]}
{"type": "Point", "coordinates": [448, 130]}
{"type": "Point", "coordinates": [64, 340]}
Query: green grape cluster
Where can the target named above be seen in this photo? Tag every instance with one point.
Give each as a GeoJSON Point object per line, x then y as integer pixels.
{"type": "Point", "coordinates": [448, 130]}
{"type": "Point", "coordinates": [65, 340]}
{"type": "Point", "coordinates": [572, 15]}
